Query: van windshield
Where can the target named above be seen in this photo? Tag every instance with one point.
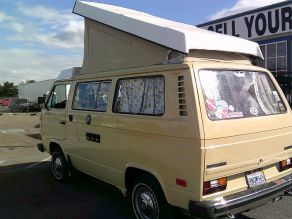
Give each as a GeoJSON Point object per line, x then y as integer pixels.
{"type": "Point", "coordinates": [239, 94]}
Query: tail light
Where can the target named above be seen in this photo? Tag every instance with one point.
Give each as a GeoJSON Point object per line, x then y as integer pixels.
{"type": "Point", "coordinates": [214, 186]}
{"type": "Point", "coordinates": [285, 164]}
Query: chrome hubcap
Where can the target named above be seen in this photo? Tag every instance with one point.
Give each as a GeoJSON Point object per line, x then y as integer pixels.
{"type": "Point", "coordinates": [58, 167]}
{"type": "Point", "coordinates": [146, 205]}
{"type": "Point", "coordinates": [289, 191]}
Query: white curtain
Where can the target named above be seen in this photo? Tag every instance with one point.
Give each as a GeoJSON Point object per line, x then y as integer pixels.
{"type": "Point", "coordinates": [264, 94]}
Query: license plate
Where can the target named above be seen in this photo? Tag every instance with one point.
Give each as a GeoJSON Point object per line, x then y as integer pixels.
{"type": "Point", "coordinates": [255, 179]}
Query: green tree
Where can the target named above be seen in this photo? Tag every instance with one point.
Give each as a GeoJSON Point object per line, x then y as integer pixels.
{"type": "Point", "coordinates": [8, 89]}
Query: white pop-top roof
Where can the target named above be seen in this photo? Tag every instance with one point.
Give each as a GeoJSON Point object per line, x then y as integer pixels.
{"type": "Point", "coordinates": [174, 35]}
{"type": "Point", "coordinates": [68, 73]}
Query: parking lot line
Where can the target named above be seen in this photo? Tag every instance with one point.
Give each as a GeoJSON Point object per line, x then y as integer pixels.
{"type": "Point", "coordinates": [11, 131]}
{"type": "Point", "coordinates": [37, 163]}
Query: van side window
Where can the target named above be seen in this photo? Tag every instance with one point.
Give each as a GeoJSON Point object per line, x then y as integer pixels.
{"type": "Point", "coordinates": [92, 96]}
{"type": "Point", "coordinates": [143, 95]}
{"type": "Point", "coordinates": [59, 96]}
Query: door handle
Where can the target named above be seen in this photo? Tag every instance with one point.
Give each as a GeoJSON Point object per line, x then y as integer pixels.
{"type": "Point", "coordinates": [88, 119]}
{"type": "Point", "coordinates": [70, 118]}
{"type": "Point", "coordinates": [62, 122]}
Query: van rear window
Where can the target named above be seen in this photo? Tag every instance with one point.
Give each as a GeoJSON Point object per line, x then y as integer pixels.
{"type": "Point", "coordinates": [239, 94]}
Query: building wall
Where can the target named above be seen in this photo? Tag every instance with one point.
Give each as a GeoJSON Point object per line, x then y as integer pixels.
{"type": "Point", "coordinates": [265, 21]}
{"type": "Point", "coordinates": [270, 26]}
{"type": "Point", "coordinates": [34, 90]}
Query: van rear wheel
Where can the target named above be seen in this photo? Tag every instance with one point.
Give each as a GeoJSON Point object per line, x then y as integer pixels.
{"type": "Point", "coordinates": [148, 200]}
{"type": "Point", "coordinates": [289, 192]}
{"type": "Point", "coordinates": [59, 165]}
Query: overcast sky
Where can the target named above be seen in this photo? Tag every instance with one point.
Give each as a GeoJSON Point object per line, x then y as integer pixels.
{"type": "Point", "coordinates": [40, 38]}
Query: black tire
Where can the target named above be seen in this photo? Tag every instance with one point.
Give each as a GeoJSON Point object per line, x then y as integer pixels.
{"type": "Point", "coordinates": [289, 192]}
{"type": "Point", "coordinates": [59, 165]}
{"type": "Point", "coordinates": [148, 200]}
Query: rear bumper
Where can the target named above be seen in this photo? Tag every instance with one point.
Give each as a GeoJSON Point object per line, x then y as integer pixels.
{"type": "Point", "coordinates": [241, 201]}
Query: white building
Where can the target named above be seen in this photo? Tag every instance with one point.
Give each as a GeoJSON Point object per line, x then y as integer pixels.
{"type": "Point", "coordinates": [32, 91]}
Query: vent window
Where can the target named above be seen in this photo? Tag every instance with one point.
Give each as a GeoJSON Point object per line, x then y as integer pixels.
{"type": "Point", "coordinates": [182, 96]}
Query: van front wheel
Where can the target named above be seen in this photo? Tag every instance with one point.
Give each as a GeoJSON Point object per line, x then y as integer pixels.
{"type": "Point", "coordinates": [59, 164]}
{"type": "Point", "coordinates": [148, 200]}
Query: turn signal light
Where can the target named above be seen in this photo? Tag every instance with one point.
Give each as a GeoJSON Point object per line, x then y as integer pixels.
{"type": "Point", "coordinates": [214, 186]}
{"type": "Point", "coordinates": [285, 164]}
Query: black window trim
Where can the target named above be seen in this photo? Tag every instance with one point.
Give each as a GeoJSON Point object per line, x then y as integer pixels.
{"type": "Point", "coordinates": [47, 101]}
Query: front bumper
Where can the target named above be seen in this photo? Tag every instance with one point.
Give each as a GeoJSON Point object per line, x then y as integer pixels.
{"type": "Point", "coordinates": [241, 201]}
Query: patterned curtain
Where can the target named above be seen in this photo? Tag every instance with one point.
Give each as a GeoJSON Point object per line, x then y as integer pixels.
{"type": "Point", "coordinates": [142, 96]}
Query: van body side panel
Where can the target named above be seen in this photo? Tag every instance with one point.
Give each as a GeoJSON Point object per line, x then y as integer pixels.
{"type": "Point", "coordinates": [53, 129]}
{"type": "Point", "coordinates": [91, 145]}
{"type": "Point", "coordinates": [53, 123]}
{"type": "Point", "coordinates": [168, 146]}
{"type": "Point", "coordinates": [162, 161]}
{"type": "Point", "coordinates": [96, 157]}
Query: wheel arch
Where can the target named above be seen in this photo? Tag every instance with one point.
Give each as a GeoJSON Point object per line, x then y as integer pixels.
{"type": "Point", "coordinates": [132, 172]}
{"type": "Point", "coordinates": [53, 145]}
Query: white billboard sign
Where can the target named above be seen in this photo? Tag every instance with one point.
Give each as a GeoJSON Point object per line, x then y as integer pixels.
{"type": "Point", "coordinates": [267, 22]}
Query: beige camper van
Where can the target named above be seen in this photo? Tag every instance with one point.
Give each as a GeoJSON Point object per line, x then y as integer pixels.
{"type": "Point", "coordinates": [172, 115]}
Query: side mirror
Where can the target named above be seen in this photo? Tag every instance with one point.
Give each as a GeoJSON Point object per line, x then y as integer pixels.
{"type": "Point", "coordinates": [41, 100]}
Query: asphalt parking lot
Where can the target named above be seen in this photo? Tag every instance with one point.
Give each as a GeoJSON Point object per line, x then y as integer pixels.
{"type": "Point", "coordinates": [33, 193]}
{"type": "Point", "coordinates": [27, 189]}
{"type": "Point", "coordinates": [19, 134]}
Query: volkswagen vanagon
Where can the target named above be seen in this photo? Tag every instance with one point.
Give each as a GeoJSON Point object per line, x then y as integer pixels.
{"type": "Point", "coordinates": [171, 115]}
